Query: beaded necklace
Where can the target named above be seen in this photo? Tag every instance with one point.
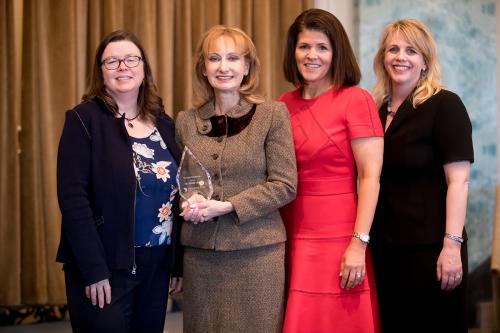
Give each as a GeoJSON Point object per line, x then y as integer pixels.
{"type": "Point", "coordinates": [129, 120]}
{"type": "Point", "coordinates": [390, 111]}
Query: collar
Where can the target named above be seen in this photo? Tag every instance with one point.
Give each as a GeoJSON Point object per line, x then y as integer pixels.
{"type": "Point", "coordinates": [207, 110]}
{"type": "Point", "coordinates": [102, 104]}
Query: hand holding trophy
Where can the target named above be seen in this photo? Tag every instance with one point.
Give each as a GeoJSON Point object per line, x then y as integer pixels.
{"type": "Point", "coordinates": [192, 177]}
{"type": "Point", "coordinates": [195, 184]}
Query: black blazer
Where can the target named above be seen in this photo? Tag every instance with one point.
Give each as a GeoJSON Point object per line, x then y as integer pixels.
{"type": "Point", "coordinates": [96, 188]}
{"type": "Point", "coordinates": [412, 203]}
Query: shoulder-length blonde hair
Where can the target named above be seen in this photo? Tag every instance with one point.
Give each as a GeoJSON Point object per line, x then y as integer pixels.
{"type": "Point", "coordinates": [420, 37]}
{"type": "Point", "coordinates": [203, 91]}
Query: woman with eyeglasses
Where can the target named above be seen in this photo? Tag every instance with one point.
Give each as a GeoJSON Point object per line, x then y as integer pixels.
{"type": "Point", "coordinates": [117, 162]}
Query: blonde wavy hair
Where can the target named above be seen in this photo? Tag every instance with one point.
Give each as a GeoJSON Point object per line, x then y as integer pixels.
{"type": "Point", "coordinates": [203, 91]}
{"type": "Point", "coordinates": [420, 37]}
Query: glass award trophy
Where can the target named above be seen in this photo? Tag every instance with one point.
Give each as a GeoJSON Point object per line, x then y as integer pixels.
{"type": "Point", "coordinates": [192, 177]}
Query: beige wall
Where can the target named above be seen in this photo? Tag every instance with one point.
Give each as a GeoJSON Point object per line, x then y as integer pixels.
{"type": "Point", "coordinates": [344, 11]}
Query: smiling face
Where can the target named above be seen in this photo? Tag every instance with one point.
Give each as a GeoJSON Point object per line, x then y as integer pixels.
{"type": "Point", "coordinates": [403, 62]}
{"type": "Point", "coordinates": [314, 55]}
{"type": "Point", "coordinates": [225, 66]}
{"type": "Point", "coordinates": [123, 80]}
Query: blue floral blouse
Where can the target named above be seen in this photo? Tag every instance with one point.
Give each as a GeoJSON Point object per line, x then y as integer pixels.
{"type": "Point", "coordinates": [155, 170]}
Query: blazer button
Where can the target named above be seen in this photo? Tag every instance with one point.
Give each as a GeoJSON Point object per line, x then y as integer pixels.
{"type": "Point", "coordinates": [215, 156]}
{"type": "Point", "coordinates": [219, 139]}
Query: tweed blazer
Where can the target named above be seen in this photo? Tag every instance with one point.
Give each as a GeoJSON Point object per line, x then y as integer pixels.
{"type": "Point", "coordinates": [255, 170]}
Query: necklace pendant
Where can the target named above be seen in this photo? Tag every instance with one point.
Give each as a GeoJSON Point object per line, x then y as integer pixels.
{"type": "Point", "coordinates": [130, 125]}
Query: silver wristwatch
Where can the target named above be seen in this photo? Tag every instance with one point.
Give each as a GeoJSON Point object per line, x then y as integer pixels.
{"type": "Point", "coordinates": [364, 238]}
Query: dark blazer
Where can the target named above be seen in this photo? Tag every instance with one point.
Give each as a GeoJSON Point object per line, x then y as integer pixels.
{"type": "Point", "coordinates": [412, 203]}
{"type": "Point", "coordinates": [96, 188]}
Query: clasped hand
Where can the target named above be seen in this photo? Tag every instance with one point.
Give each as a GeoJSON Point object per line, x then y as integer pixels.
{"type": "Point", "coordinates": [198, 209]}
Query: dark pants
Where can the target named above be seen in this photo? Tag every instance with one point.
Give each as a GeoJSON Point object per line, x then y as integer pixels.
{"type": "Point", "coordinates": [138, 301]}
{"type": "Point", "coordinates": [410, 297]}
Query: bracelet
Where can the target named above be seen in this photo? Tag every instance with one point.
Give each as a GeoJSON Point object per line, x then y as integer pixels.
{"type": "Point", "coordinates": [454, 237]}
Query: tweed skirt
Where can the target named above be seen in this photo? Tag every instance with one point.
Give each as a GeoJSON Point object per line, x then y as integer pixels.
{"type": "Point", "coordinates": [234, 291]}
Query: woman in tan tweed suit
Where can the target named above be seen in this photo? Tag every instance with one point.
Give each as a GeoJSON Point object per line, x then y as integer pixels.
{"type": "Point", "coordinates": [234, 244]}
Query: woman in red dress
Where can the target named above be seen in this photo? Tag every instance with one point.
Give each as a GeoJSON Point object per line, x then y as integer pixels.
{"type": "Point", "coordinates": [338, 141]}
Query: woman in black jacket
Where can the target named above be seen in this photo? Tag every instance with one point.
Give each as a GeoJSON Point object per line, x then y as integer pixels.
{"type": "Point", "coordinates": [419, 244]}
{"type": "Point", "coordinates": [116, 168]}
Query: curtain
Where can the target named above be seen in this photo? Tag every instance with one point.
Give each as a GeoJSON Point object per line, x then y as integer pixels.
{"type": "Point", "coordinates": [47, 48]}
{"type": "Point", "coordinates": [10, 106]}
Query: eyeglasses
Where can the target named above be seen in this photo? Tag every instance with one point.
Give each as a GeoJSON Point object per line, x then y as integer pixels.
{"type": "Point", "coordinates": [114, 63]}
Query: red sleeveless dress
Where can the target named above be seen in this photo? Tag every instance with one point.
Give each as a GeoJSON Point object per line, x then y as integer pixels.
{"type": "Point", "coordinates": [320, 221]}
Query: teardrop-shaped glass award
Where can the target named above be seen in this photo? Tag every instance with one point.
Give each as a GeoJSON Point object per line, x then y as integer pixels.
{"type": "Point", "coordinates": [192, 177]}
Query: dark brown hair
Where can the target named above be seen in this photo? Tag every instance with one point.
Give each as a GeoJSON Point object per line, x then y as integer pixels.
{"type": "Point", "coordinates": [344, 69]}
{"type": "Point", "coordinates": [149, 103]}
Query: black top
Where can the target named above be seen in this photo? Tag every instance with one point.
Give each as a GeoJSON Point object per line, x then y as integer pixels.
{"type": "Point", "coordinates": [412, 203]}
{"type": "Point", "coordinates": [96, 187]}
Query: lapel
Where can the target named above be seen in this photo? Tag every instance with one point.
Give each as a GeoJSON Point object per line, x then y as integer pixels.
{"type": "Point", "coordinates": [167, 132]}
{"type": "Point", "coordinates": [404, 110]}
{"type": "Point", "coordinates": [382, 114]}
